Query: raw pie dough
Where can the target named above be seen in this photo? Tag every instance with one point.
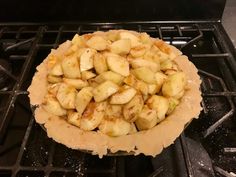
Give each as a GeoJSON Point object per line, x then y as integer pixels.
{"type": "Point", "coordinates": [149, 142]}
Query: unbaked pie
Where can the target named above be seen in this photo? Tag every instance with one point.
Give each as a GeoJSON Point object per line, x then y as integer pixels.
{"type": "Point", "coordinates": [117, 90]}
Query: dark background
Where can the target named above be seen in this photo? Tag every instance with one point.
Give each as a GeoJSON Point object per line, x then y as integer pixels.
{"type": "Point", "coordinates": [109, 10]}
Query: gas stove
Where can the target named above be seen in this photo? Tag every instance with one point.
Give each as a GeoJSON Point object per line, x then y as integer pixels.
{"type": "Point", "coordinates": [207, 147]}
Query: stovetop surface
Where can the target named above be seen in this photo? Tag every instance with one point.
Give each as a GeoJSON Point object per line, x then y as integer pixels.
{"type": "Point", "coordinates": [206, 148]}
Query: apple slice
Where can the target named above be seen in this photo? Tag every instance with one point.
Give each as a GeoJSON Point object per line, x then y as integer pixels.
{"type": "Point", "coordinates": [133, 129]}
{"type": "Point", "coordinates": [132, 109]}
{"type": "Point", "coordinates": [100, 63]}
{"type": "Point", "coordinates": [82, 99]}
{"type": "Point", "coordinates": [52, 106]}
{"type": "Point", "coordinates": [66, 96]}
{"type": "Point", "coordinates": [86, 59]}
{"type": "Point", "coordinates": [111, 76]}
{"type": "Point", "coordinates": [113, 111]}
{"type": "Point", "coordinates": [104, 90]}
{"type": "Point", "coordinates": [137, 63]}
{"type": "Point", "coordinates": [160, 104]}
{"type": "Point", "coordinates": [145, 74]}
{"type": "Point", "coordinates": [118, 64]}
{"type": "Point", "coordinates": [53, 89]}
{"type": "Point", "coordinates": [73, 118]}
{"type": "Point", "coordinates": [56, 70]}
{"type": "Point", "coordinates": [146, 119]}
{"type": "Point", "coordinates": [54, 79]}
{"type": "Point", "coordinates": [134, 39]}
{"type": "Point", "coordinates": [92, 116]}
{"type": "Point", "coordinates": [121, 46]}
{"type": "Point", "coordinates": [70, 67]}
{"type": "Point", "coordinates": [174, 84]}
{"type": "Point", "coordinates": [153, 89]}
{"type": "Point", "coordinates": [115, 127]}
{"type": "Point", "coordinates": [77, 83]}
{"type": "Point", "coordinates": [173, 102]}
{"type": "Point", "coordinates": [78, 41]}
{"type": "Point", "coordinates": [123, 97]}
{"type": "Point", "coordinates": [97, 43]}
{"type": "Point", "coordinates": [137, 84]}
{"type": "Point", "coordinates": [87, 75]}
{"type": "Point", "coordinates": [138, 51]}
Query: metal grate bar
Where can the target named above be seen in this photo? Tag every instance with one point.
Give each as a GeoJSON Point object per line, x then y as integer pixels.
{"type": "Point", "coordinates": [19, 44]}
{"type": "Point", "coordinates": [101, 171]}
{"type": "Point", "coordinates": [120, 166]}
{"type": "Point", "coordinates": [157, 172]}
{"type": "Point", "coordinates": [23, 145]}
{"type": "Point", "coordinates": [226, 48]}
{"type": "Point", "coordinates": [52, 169]}
{"type": "Point", "coordinates": [46, 45]}
{"type": "Point", "coordinates": [2, 31]}
{"type": "Point", "coordinates": [58, 36]}
{"type": "Point", "coordinates": [7, 73]}
{"type": "Point", "coordinates": [220, 55]}
{"type": "Point", "coordinates": [186, 156]}
{"type": "Point", "coordinates": [159, 31]}
{"type": "Point", "coordinates": [200, 35]}
{"type": "Point", "coordinates": [140, 28]}
{"type": "Point", "coordinates": [51, 154]}
{"type": "Point", "coordinates": [114, 167]}
{"type": "Point", "coordinates": [19, 33]}
{"type": "Point", "coordinates": [215, 77]}
{"type": "Point", "coordinates": [5, 92]}
{"type": "Point", "coordinates": [223, 172]}
{"type": "Point", "coordinates": [49, 166]}
{"type": "Point", "coordinates": [18, 57]}
{"type": "Point", "coordinates": [79, 30]}
{"type": "Point", "coordinates": [179, 30]}
{"type": "Point", "coordinates": [205, 110]}
{"type": "Point", "coordinates": [219, 94]}
{"type": "Point", "coordinates": [213, 127]}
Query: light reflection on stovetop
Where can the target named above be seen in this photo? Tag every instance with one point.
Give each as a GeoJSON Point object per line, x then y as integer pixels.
{"type": "Point", "coordinates": [41, 153]}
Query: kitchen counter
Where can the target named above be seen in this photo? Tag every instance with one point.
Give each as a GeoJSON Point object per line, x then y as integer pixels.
{"type": "Point", "coordinates": [229, 20]}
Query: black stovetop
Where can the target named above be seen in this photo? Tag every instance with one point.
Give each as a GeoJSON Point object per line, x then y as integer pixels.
{"type": "Point", "coordinates": [206, 148]}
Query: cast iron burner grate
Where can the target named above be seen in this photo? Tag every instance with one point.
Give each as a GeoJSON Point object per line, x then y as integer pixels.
{"type": "Point", "coordinates": [206, 148]}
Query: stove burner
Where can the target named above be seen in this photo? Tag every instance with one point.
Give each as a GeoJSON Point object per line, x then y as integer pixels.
{"type": "Point", "coordinates": [5, 68]}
